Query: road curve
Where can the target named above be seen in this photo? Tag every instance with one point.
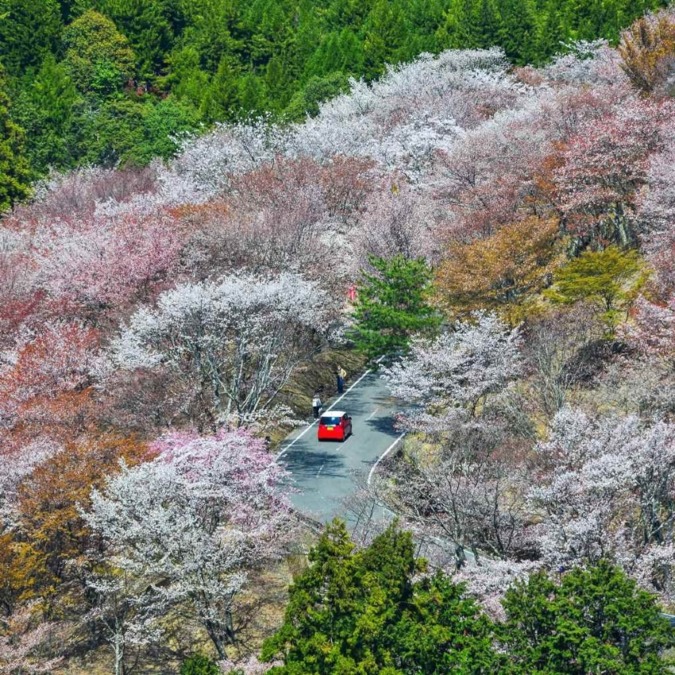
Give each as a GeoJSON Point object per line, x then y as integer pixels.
{"type": "Point", "coordinates": [326, 473]}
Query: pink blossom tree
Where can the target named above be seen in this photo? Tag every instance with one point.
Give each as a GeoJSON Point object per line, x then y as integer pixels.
{"type": "Point", "coordinates": [604, 165]}
{"type": "Point", "coordinates": [24, 642]}
{"type": "Point", "coordinates": [652, 328]}
{"type": "Point", "coordinates": [100, 261]}
{"type": "Point", "coordinates": [48, 377]}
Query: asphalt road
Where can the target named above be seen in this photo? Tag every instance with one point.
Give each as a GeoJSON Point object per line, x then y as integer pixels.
{"type": "Point", "coordinates": [326, 473]}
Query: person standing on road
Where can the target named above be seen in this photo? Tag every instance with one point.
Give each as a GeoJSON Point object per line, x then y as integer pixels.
{"type": "Point", "coordinates": [316, 405]}
{"type": "Point", "coordinates": [341, 376]}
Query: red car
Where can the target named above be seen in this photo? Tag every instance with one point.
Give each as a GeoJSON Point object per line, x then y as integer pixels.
{"type": "Point", "coordinates": [334, 425]}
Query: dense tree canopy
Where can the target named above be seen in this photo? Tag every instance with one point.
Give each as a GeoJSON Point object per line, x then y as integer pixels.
{"type": "Point", "coordinates": [506, 232]}
{"type": "Point", "coordinates": [364, 612]}
{"type": "Point", "coordinates": [14, 168]}
{"type": "Point", "coordinates": [146, 72]}
{"type": "Point", "coordinates": [592, 620]}
{"type": "Point", "coordinates": [393, 305]}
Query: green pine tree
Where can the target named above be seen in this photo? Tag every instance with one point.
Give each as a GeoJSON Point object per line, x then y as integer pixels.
{"type": "Point", "coordinates": [385, 32]}
{"type": "Point", "coordinates": [518, 31]}
{"type": "Point", "coordinates": [30, 30]}
{"type": "Point", "coordinates": [221, 100]}
{"type": "Point", "coordinates": [252, 95]}
{"type": "Point", "coordinates": [551, 33]}
{"type": "Point", "coordinates": [15, 174]}
{"type": "Point", "coordinates": [149, 26]}
{"type": "Point", "coordinates": [45, 109]}
{"type": "Point", "coordinates": [488, 24]}
{"type": "Point", "coordinates": [393, 305]}
{"type": "Point", "coordinates": [198, 664]}
{"type": "Point", "coordinates": [362, 612]}
{"type": "Point", "coordinates": [595, 620]}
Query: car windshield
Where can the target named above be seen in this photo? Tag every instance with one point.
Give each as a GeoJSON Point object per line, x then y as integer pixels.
{"type": "Point", "coordinates": [330, 421]}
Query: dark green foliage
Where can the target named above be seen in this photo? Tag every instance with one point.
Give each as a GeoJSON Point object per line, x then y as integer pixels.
{"type": "Point", "coordinates": [198, 664]}
{"type": "Point", "coordinates": [318, 89]}
{"type": "Point", "coordinates": [78, 67]}
{"type": "Point", "coordinates": [14, 168]}
{"type": "Point", "coordinates": [46, 110]}
{"type": "Point", "coordinates": [29, 31]}
{"type": "Point", "coordinates": [594, 621]}
{"type": "Point", "coordinates": [362, 612]}
{"type": "Point", "coordinates": [98, 56]}
{"type": "Point", "coordinates": [221, 99]}
{"type": "Point", "coordinates": [393, 306]}
{"type": "Point", "coordinates": [123, 131]}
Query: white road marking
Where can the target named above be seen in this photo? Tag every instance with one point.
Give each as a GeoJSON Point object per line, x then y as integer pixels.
{"type": "Point", "coordinates": [382, 456]}
{"type": "Point", "coordinates": [297, 438]}
{"type": "Point", "coordinates": [372, 414]}
{"type": "Point", "coordinates": [320, 470]}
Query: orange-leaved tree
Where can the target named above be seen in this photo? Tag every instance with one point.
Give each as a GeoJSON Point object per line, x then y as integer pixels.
{"type": "Point", "coordinates": [49, 530]}
{"type": "Point", "coordinates": [504, 272]}
{"type": "Point", "coordinates": [647, 50]}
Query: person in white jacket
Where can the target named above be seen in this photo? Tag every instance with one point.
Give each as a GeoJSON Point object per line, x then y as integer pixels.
{"type": "Point", "coordinates": [316, 405]}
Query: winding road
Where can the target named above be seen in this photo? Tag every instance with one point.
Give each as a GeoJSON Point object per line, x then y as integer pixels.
{"type": "Point", "coordinates": [326, 473]}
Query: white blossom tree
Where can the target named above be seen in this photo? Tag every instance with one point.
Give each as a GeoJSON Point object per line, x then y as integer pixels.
{"type": "Point", "coordinates": [606, 489]}
{"type": "Point", "coordinates": [187, 527]}
{"type": "Point", "coordinates": [466, 491]}
{"type": "Point", "coordinates": [236, 340]}
{"type": "Point", "coordinates": [449, 379]}
{"type": "Point", "coordinates": [466, 488]}
{"type": "Point", "coordinates": [126, 610]}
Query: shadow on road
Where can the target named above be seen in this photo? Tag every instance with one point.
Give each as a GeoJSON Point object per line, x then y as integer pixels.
{"type": "Point", "coordinates": [307, 464]}
{"type": "Point", "coordinates": [384, 425]}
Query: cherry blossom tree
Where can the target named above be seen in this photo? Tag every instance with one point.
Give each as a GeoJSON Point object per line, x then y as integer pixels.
{"type": "Point", "coordinates": [466, 492]}
{"type": "Point", "coordinates": [438, 96]}
{"type": "Point", "coordinates": [101, 261]}
{"type": "Point", "coordinates": [466, 488]}
{"type": "Point", "coordinates": [20, 297]}
{"type": "Point", "coordinates": [399, 220]}
{"type": "Point", "coordinates": [657, 206]}
{"type": "Point", "coordinates": [18, 460]}
{"type": "Point", "coordinates": [204, 167]}
{"type": "Point", "coordinates": [587, 63]}
{"type": "Point", "coordinates": [288, 215]}
{"type": "Point", "coordinates": [447, 380]}
{"type": "Point", "coordinates": [489, 173]}
{"type": "Point", "coordinates": [80, 194]}
{"type": "Point", "coordinates": [47, 383]}
{"type": "Point", "coordinates": [237, 340]}
{"type": "Point", "coordinates": [22, 643]}
{"type": "Point", "coordinates": [126, 611]}
{"type": "Point", "coordinates": [652, 328]}
{"type": "Point", "coordinates": [192, 522]}
{"type": "Point", "coordinates": [606, 490]}
{"type": "Point", "coordinates": [605, 164]}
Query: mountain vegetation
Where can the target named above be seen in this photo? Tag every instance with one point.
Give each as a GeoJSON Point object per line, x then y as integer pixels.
{"type": "Point", "coordinates": [504, 233]}
{"type": "Point", "coordinates": [111, 82]}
